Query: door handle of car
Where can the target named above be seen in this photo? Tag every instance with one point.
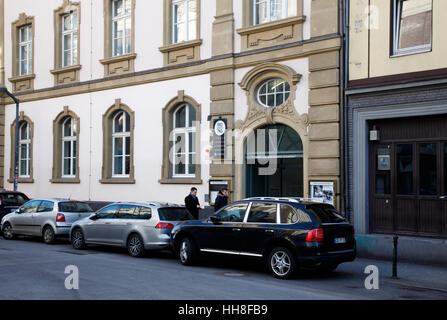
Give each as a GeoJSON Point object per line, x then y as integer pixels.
{"type": "Point", "coordinates": [443, 197]}
{"type": "Point", "coordinates": [269, 230]}
{"type": "Point", "coordinates": [107, 223]}
{"type": "Point", "coordinates": [236, 229]}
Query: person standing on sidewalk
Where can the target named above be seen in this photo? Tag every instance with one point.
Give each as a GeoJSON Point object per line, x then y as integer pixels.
{"type": "Point", "coordinates": [192, 203]}
{"type": "Point", "coordinates": [221, 199]}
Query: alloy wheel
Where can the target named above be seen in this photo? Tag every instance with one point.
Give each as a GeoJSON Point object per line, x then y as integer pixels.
{"type": "Point", "coordinates": [48, 235]}
{"type": "Point", "coordinates": [135, 246]}
{"type": "Point", "coordinates": [77, 239]}
{"type": "Point", "coordinates": [280, 263]}
{"type": "Point", "coordinates": [184, 251]}
{"type": "Point", "coordinates": [7, 232]}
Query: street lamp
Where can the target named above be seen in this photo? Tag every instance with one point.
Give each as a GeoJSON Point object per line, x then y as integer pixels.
{"type": "Point", "coordinates": [4, 93]}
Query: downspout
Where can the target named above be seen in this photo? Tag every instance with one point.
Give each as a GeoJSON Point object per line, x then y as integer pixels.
{"type": "Point", "coordinates": [341, 110]}
{"type": "Point", "coordinates": [345, 108]}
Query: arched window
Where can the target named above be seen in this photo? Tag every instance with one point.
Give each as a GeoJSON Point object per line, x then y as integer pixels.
{"type": "Point", "coordinates": [121, 144]}
{"type": "Point", "coordinates": [184, 136]}
{"type": "Point", "coordinates": [273, 92]}
{"type": "Point", "coordinates": [69, 137]}
{"type": "Point", "coordinates": [24, 150]}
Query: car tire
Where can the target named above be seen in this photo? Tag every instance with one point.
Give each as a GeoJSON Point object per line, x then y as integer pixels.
{"type": "Point", "coordinates": [282, 263]}
{"type": "Point", "coordinates": [49, 237]}
{"type": "Point", "coordinates": [327, 268]}
{"type": "Point", "coordinates": [135, 245]}
{"type": "Point", "coordinates": [8, 232]}
{"type": "Point", "coordinates": [187, 252]}
{"type": "Point", "coordinates": [77, 239]}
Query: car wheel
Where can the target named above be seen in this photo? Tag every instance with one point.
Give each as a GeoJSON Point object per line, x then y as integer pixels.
{"type": "Point", "coordinates": [49, 236]}
{"type": "Point", "coordinates": [282, 263]}
{"type": "Point", "coordinates": [187, 252]}
{"type": "Point", "coordinates": [135, 246]}
{"type": "Point", "coordinates": [8, 233]}
{"type": "Point", "coordinates": [77, 239]}
{"type": "Point", "coordinates": [328, 268]}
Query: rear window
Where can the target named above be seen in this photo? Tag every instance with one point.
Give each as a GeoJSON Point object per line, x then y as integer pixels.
{"type": "Point", "coordinates": [74, 207]}
{"type": "Point", "coordinates": [13, 199]}
{"type": "Point", "coordinates": [326, 214]}
{"type": "Point", "coordinates": [174, 214]}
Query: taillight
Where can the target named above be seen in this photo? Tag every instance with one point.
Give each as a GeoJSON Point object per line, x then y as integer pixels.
{"type": "Point", "coordinates": [315, 235]}
{"type": "Point", "coordinates": [164, 225]}
{"type": "Point", "coordinates": [60, 217]}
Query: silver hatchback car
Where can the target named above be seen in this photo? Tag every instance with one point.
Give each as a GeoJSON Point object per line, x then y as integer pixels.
{"type": "Point", "coordinates": [135, 226]}
{"type": "Point", "coordinates": [46, 218]}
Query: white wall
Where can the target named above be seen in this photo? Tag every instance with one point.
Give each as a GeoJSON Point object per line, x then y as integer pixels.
{"type": "Point", "coordinates": [147, 101]}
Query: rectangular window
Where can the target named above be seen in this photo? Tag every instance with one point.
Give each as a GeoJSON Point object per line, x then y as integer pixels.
{"type": "Point", "coordinates": [25, 50]}
{"type": "Point", "coordinates": [404, 169]}
{"type": "Point", "coordinates": [445, 169]}
{"type": "Point", "coordinates": [121, 156]}
{"type": "Point", "coordinates": [269, 10]}
{"type": "Point", "coordinates": [121, 27]}
{"type": "Point", "coordinates": [412, 26]}
{"type": "Point", "coordinates": [70, 39]}
{"type": "Point", "coordinates": [428, 169]}
{"type": "Point", "coordinates": [184, 20]}
{"type": "Point", "coordinates": [262, 213]}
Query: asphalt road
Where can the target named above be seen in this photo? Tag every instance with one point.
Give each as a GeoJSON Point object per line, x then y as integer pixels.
{"type": "Point", "coordinates": [29, 269]}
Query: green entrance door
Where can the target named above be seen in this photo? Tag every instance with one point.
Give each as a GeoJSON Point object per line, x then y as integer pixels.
{"type": "Point", "coordinates": [285, 176]}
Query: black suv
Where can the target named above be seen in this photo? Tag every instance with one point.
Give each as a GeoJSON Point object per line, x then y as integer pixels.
{"type": "Point", "coordinates": [10, 201]}
{"type": "Point", "coordinates": [288, 233]}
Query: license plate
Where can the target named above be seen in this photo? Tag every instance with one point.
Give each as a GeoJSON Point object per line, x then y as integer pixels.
{"type": "Point", "coordinates": [339, 240]}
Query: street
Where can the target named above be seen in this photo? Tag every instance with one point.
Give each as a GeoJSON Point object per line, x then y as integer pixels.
{"type": "Point", "coordinates": [33, 270]}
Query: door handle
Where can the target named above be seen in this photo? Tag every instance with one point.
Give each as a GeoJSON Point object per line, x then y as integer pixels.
{"type": "Point", "coordinates": [107, 223]}
{"type": "Point", "coordinates": [443, 197]}
{"type": "Point", "coordinates": [236, 229]}
{"type": "Point", "coordinates": [270, 230]}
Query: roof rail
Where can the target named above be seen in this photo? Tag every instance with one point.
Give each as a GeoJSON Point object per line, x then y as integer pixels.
{"type": "Point", "coordinates": [276, 199]}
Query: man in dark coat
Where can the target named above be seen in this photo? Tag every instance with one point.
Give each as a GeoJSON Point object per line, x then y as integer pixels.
{"type": "Point", "coordinates": [221, 199]}
{"type": "Point", "coordinates": [192, 203]}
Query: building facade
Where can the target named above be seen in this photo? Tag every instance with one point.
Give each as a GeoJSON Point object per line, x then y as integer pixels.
{"type": "Point", "coordinates": [140, 100]}
{"type": "Point", "coordinates": [396, 120]}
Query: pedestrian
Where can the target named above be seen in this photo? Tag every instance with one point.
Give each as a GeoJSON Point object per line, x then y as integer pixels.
{"type": "Point", "coordinates": [192, 203]}
{"type": "Point", "coordinates": [221, 199]}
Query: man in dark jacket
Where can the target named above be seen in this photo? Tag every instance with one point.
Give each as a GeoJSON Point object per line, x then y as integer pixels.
{"type": "Point", "coordinates": [221, 199]}
{"type": "Point", "coordinates": [192, 203]}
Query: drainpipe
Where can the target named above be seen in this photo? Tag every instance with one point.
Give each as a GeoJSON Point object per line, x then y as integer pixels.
{"type": "Point", "coordinates": [342, 34]}
{"type": "Point", "coordinates": [344, 114]}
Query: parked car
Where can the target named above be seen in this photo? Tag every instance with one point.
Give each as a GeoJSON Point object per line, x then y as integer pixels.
{"type": "Point", "coordinates": [287, 233]}
{"type": "Point", "coordinates": [10, 201]}
{"type": "Point", "coordinates": [135, 226]}
{"type": "Point", "coordinates": [46, 218]}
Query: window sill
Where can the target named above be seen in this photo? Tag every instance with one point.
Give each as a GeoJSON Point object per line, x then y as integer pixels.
{"type": "Point", "coordinates": [66, 180]}
{"type": "Point", "coordinates": [410, 52]}
{"type": "Point", "coordinates": [119, 64]}
{"type": "Point", "coordinates": [272, 33]}
{"type": "Point", "coordinates": [23, 83]}
{"type": "Point", "coordinates": [66, 75]}
{"type": "Point", "coordinates": [181, 52]}
{"type": "Point", "coordinates": [22, 180]}
{"type": "Point", "coordinates": [180, 181]}
{"type": "Point", "coordinates": [117, 181]}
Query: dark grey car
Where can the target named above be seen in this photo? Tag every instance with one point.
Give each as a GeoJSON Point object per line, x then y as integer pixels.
{"type": "Point", "coordinates": [135, 226]}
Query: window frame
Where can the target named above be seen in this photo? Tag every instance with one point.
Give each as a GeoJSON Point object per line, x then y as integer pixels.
{"type": "Point", "coordinates": [27, 142]}
{"type": "Point", "coordinates": [265, 83]}
{"type": "Point", "coordinates": [124, 17]}
{"type": "Point", "coordinates": [29, 47]}
{"type": "Point", "coordinates": [123, 135]}
{"type": "Point", "coordinates": [284, 7]}
{"type": "Point", "coordinates": [72, 32]}
{"type": "Point", "coordinates": [187, 21]}
{"type": "Point", "coordinates": [247, 210]}
{"type": "Point", "coordinates": [247, 213]}
{"type": "Point", "coordinates": [185, 132]}
{"type": "Point", "coordinates": [396, 7]}
{"type": "Point", "coordinates": [72, 139]}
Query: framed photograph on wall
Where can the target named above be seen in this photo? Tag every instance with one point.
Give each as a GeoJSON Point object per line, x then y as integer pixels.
{"type": "Point", "coordinates": [323, 191]}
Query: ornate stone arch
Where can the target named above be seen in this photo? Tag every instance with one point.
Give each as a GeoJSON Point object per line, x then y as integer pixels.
{"type": "Point", "coordinates": [168, 110]}
{"type": "Point", "coordinates": [251, 81]}
{"type": "Point", "coordinates": [107, 127]}
{"type": "Point", "coordinates": [57, 146]}
{"type": "Point", "coordinates": [22, 118]}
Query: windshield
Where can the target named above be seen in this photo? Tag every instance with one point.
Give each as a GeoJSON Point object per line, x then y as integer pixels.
{"type": "Point", "coordinates": [174, 214]}
{"type": "Point", "coordinates": [326, 213]}
{"type": "Point", "coordinates": [74, 207]}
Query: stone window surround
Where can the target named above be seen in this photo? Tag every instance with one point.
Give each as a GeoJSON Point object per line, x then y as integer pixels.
{"type": "Point", "coordinates": [107, 126]}
{"type": "Point", "coordinates": [172, 51]}
{"type": "Point", "coordinates": [260, 35]}
{"type": "Point", "coordinates": [125, 63]}
{"type": "Point", "coordinates": [166, 170]}
{"type": "Point", "coordinates": [57, 146]}
{"type": "Point", "coordinates": [25, 82]}
{"type": "Point", "coordinates": [22, 118]}
{"type": "Point", "coordinates": [69, 74]}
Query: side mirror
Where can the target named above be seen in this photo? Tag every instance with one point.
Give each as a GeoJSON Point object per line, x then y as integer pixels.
{"type": "Point", "coordinates": [94, 217]}
{"type": "Point", "coordinates": [215, 220]}
{"type": "Point", "coordinates": [18, 211]}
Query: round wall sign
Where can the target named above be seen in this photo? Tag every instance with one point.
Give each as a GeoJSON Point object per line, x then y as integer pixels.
{"type": "Point", "coordinates": [220, 127]}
